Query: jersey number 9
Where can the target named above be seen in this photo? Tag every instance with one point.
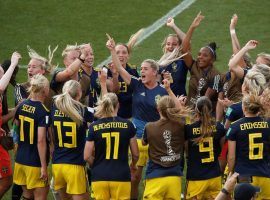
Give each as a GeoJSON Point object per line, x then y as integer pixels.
{"type": "Point", "coordinates": [207, 146]}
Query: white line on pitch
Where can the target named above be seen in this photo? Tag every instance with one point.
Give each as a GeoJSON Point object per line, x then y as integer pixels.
{"type": "Point", "coordinates": [158, 24]}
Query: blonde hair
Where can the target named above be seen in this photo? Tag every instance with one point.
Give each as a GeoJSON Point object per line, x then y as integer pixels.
{"type": "Point", "coordinates": [37, 84]}
{"type": "Point", "coordinates": [163, 44]}
{"type": "Point", "coordinates": [71, 48]}
{"type": "Point", "coordinates": [133, 40]}
{"type": "Point", "coordinates": [266, 57]}
{"type": "Point", "coordinates": [46, 63]}
{"type": "Point", "coordinates": [252, 104]}
{"type": "Point", "coordinates": [265, 101]}
{"type": "Point", "coordinates": [83, 45]}
{"type": "Point", "coordinates": [204, 111]}
{"type": "Point", "coordinates": [255, 82]}
{"type": "Point", "coordinates": [264, 69]}
{"type": "Point", "coordinates": [170, 57]}
{"type": "Point", "coordinates": [153, 64]}
{"type": "Point", "coordinates": [106, 105]}
{"type": "Point", "coordinates": [168, 109]}
{"type": "Point", "coordinates": [67, 104]}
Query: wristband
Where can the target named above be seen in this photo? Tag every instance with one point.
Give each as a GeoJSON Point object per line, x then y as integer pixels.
{"type": "Point", "coordinates": [232, 31]}
{"type": "Point", "coordinates": [224, 191]}
{"type": "Point", "coordinates": [82, 60]}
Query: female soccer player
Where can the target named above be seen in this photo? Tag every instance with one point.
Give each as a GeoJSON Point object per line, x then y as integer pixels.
{"type": "Point", "coordinates": [74, 57]}
{"type": "Point", "coordinates": [32, 118]}
{"type": "Point", "coordinates": [146, 93]}
{"type": "Point", "coordinates": [87, 69]}
{"type": "Point", "coordinates": [37, 65]}
{"type": "Point", "coordinates": [171, 65]}
{"type": "Point", "coordinates": [166, 143]}
{"type": "Point", "coordinates": [5, 162]}
{"type": "Point", "coordinates": [204, 78]}
{"type": "Point", "coordinates": [69, 124]}
{"type": "Point", "coordinates": [262, 58]}
{"type": "Point", "coordinates": [124, 91]}
{"type": "Point", "coordinates": [106, 150]}
{"type": "Point", "coordinates": [204, 141]}
{"type": "Point", "coordinates": [248, 143]}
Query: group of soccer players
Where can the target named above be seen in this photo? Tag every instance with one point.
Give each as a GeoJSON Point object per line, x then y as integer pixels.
{"type": "Point", "coordinates": [116, 122]}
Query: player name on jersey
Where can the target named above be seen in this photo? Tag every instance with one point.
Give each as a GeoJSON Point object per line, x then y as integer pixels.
{"type": "Point", "coordinates": [197, 131]}
{"type": "Point", "coordinates": [29, 109]}
{"type": "Point", "coordinates": [110, 125]}
{"type": "Point", "coordinates": [251, 125]}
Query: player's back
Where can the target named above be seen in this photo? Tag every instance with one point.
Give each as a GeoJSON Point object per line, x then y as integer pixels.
{"type": "Point", "coordinates": [111, 137]}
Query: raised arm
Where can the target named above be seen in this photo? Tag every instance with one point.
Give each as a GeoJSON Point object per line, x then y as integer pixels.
{"type": "Point", "coordinates": [235, 42]}
{"type": "Point", "coordinates": [166, 84]}
{"type": "Point", "coordinates": [234, 62]}
{"type": "Point", "coordinates": [6, 77]}
{"type": "Point", "coordinates": [114, 80]}
{"type": "Point", "coordinates": [186, 42]}
{"type": "Point", "coordinates": [170, 23]}
{"type": "Point", "coordinates": [102, 76]}
{"type": "Point", "coordinates": [123, 73]}
{"type": "Point", "coordinates": [72, 69]}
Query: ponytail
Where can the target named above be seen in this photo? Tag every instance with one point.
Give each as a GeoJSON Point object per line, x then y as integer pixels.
{"type": "Point", "coordinates": [65, 102]}
{"type": "Point", "coordinates": [106, 106]}
{"type": "Point", "coordinates": [204, 110]}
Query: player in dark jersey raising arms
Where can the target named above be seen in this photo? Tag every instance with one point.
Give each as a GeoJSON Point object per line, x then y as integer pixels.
{"type": "Point", "coordinates": [171, 65]}
{"type": "Point", "coordinates": [204, 77]}
{"type": "Point", "coordinates": [106, 150]}
{"type": "Point", "coordinates": [146, 93]}
{"type": "Point", "coordinates": [69, 121]}
{"type": "Point", "coordinates": [204, 141]}
{"type": "Point", "coordinates": [249, 140]}
{"type": "Point", "coordinates": [32, 118]}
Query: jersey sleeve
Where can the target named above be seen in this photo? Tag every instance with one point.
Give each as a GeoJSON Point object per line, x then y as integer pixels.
{"type": "Point", "coordinates": [44, 119]}
{"type": "Point", "coordinates": [54, 83]}
{"type": "Point", "coordinates": [134, 82]}
{"type": "Point", "coordinates": [231, 133]}
{"type": "Point", "coordinates": [231, 114]}
{"type": "Point", "coordinates": [132, 130]}
{"type": "Point", "coordinates": [220, 129]}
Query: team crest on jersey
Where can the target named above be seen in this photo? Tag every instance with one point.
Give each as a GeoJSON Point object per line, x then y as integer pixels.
{"type": "Point", "coordinates": [174, 67]}
{"type": "Point", "coordinates": [157, 98]}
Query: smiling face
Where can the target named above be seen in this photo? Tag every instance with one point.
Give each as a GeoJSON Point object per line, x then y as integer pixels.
{"type": "Point", "coordinates": [148, 73]}
{"type": "Point", "coordinates": [122, 53]}
{"type": "Point", "coordinates": [205, 58]}
{"type": "Point", "coordinates": [89, 59]}
{"type": "Point", "coordinates": [172, 42]}
{"type": "Point", "coordinates": [34, 67]}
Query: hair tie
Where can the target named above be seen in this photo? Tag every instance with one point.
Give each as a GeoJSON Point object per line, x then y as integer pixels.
{"type": "Point", "coordinates": [212, 50]}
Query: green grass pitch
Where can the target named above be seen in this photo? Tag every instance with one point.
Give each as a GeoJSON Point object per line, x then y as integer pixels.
{"type": "Point", "coordinates": [40, 23]}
